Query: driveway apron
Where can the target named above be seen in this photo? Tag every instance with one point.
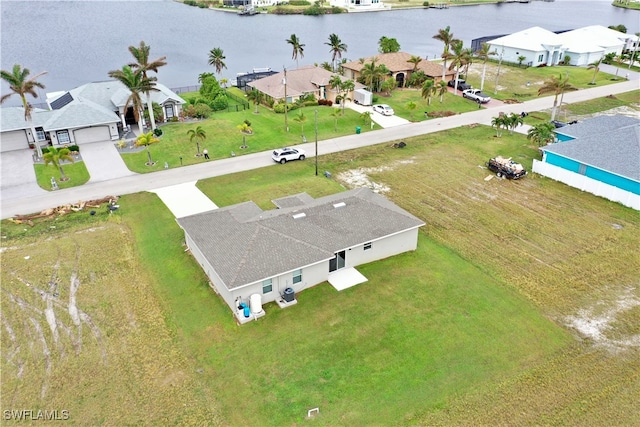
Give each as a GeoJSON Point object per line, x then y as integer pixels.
{"type": "Point", "coordinates": [103, 161]}
{"type": "Point", "coordinates": [185, 199]}
{"type": "Point", "coordinates": [18, 175]}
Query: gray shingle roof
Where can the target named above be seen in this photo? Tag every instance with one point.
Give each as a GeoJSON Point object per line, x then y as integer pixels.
{"type": "Point", "coordinates": [611, 143]}
{"type": "Point", "coordinates": [245, 244]}
{"type": "Point", "coordinates": [291, 201]}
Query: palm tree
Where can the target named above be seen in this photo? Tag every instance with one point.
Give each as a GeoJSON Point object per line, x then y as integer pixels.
{"type": "Point", "coordinates": [415, 60]}
{"type": "Point", "coordinates": [137, 84]}
{"type": "Point", "coordinates": [595, 66]}
{"type": "Point", "coordinates": [541, 134]}
{"type": "Point", "coordinates": [337, 48]}
{"type": "Point", "coordinates": [635, 50]}
{"type": "Point", "coordinates": [499, 123]}
{"type": "Point", "coordinates": [21, 85]}
{"type": "Point", "coordinates": [446, 37]}
{"type": "Point", "coordinates": [256, 96]}
{"type": "Point", "coordinates": [216, 59]}
{"type": "Point", "coordinates": [301, 118]}
{"type": "Point", "coordinates": [512, 121]}
{"type": "Point", "coordinates": [335, 114]}
{"type": "Point", "coordinates": [146, 139]}
{"type": "Point", "coordinates": [428, 89]}
{"type": "Point", "coordinates": [411, 106]}
{"type": "Point", "coordinates": [373, 73]}
{"type": "Point", "coordinates": [458, 56]}
{"type": "Point", "coordinates": [143, 65]}
{"type": "Point", "coordinates": [558, 86]}
{"type": "Point", "coordinates": [298, 48]}
{"type": "Point", "coordinates": [198, 134]}
{"type": "Point", "coordinates": [483, 54]}
{"type": "Point", "coordinates": [441, 87]}
{"type": "Point", "coordinates": [55, 156]}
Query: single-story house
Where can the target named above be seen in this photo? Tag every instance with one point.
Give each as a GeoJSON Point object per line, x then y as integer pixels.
{"type": "Point", "coordinates": [399, 65]}
{"type": "Point", "coordinates": [299, 81]}
{"type": "Point", "coordinates": [600, 155]}
{"type": "Point", "coordinates": [583, 46]}
{"type": "Point", "coordinates": [537, 45]}
{"type": "Point", "coordinates": [89, 113]}
{"type": "Point", "coordinates": [247, 251]}
{"type": "Point", "coordinates": [359, 5]}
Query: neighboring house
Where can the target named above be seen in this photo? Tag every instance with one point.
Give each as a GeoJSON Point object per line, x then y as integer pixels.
{"type": "Point", "coordinates": [359, 5]}
{"type": "Point", "coordinates": [246, 251]}
{"type": "Point", "coordinates": [583, 46]}
{"type": "Point", "coordinates": [89, 113]}
{"type": "Point", "coordinates": [600, 155]}
{"type": "Point", "coordinates": [537, 45]}
{"type": "Point", "coordinates": [398, 65]}
{"type": "Point", "coordinates": [299, 81]}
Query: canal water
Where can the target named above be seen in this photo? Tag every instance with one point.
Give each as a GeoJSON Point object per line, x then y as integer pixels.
{"type": "Point", "coordinates": [80, 41]}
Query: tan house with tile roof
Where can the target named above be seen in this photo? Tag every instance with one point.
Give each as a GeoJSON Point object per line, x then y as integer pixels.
{"type": "Point", "coordinates": [300, 81]}
{"type": "Point", "coordinates": [400, 67]}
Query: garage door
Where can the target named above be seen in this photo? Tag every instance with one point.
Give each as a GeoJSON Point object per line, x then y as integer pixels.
{"type": "Point", "coordinates": [95, 134]}
{"type": "Point", "coordinates": [14, 140]}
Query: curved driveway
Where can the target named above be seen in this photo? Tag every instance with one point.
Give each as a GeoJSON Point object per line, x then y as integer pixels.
{"type": "Point", "coordinates": [145, 182]}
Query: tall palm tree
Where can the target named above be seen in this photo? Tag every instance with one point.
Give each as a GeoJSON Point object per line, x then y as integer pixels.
{"type": "Point", "coordinates": [499, 123]}
{"type": "Point", "coordinates": [428, 89]}
{"type": "Point", "coordinates": [55, 156]}
{"type": "Point", "coordinates": [298, 48]}
{"type": "Point", "coordinates": [458, 56]}
{"type": "Point", "coordinates": [21, 85]}
{"type": "Point", "coordinates": [595, 66]}
{"type": "Point", "coordinates": [137, 85]}
{"type": "Point", "coordinates": [441, 87]}
{"type": "Point", "coordinates": [558, 86]}
{"type": "Point", "coordinates": [256, 96]}
{"type": "Point", "coordinates": [483, 54]}
{"type": "Point", "coordinates": [446, 37]}
{"type": "Point", "coordinates": [337, 48]}
{"type": "Point", "coordinates": [216, 59]}
{"type": "Point", "coordinates": [142, 64]}
{"type": "Point", "coordinates": [198, 134]}
{"type": "Point", "coordinates": [146, 139]}
{"type": "Point", "coordinates": [373, 73]}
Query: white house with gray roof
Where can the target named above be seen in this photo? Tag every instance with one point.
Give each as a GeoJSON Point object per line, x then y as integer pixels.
{"type": "Point", "coordinates": [245, 250]}
{"type": "Point", "coordinates": [89, 113]}
{"type": "Point", "coordinates": [600, 155]}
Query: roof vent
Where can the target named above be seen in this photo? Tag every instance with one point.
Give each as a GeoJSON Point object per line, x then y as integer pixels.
{"type": "Point", "coordinates": [299, 215]}
{"type": "Point", "coordinates": [339, 205]}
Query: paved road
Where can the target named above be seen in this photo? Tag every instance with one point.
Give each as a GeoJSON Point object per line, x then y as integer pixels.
{"type": "Point", "coordinates": [145, 182]}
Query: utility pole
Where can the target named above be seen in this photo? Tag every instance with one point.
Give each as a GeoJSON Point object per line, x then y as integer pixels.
{"type": "Point", "coordinates": [315, 114]}
{"type": "Point", "coordinates": [284, 82]}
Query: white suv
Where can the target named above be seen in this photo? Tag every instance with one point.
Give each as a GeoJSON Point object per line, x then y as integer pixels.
{"type": "Point", "coordinates": [284, 155]}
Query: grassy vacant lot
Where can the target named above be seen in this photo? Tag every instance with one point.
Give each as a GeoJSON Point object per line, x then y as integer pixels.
{"type": "Point", "coordinates": [521, 306]}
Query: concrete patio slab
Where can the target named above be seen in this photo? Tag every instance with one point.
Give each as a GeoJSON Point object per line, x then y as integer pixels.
{"type": "Point", "coordinates": [346, 278]}
{"type": "Point", "coordinates": [185, 199]}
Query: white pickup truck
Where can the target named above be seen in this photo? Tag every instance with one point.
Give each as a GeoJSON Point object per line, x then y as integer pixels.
{"type": "Point", "coordinates": [476, 95]}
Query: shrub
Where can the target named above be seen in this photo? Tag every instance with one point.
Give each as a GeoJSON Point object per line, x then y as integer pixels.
{"type": "Point", "coordinates": [299, 3]}
{"type": "Point", "coordinates": [74, 148]}
{"type": "Point", "coordinates": [157, 132]}
{"type": "Point", "coordinates": [247, 122]}
{"type": "Point", "coordinates": [425, 4]}
{"type": "Point", "coordinates": [313, 11]}
{"type": "Point", "coordinates": [220, 102]}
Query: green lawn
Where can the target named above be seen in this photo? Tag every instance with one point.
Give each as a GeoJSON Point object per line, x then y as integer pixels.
{"type": "Point", "coordinates": [77, 172]}
{"type": "Point", "coordinates": [224, 137]}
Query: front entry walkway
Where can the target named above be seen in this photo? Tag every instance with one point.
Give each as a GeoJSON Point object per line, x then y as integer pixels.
{"type": "Point", "coordinates": [103, 161]}
{"type": "Point", "coordinates": [346, 278]}
{"type": "Point", "coordinates": [185, 199]}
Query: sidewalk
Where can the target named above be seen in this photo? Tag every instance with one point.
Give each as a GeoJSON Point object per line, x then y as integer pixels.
{"type": "Point", "coordinates": [17, 204]}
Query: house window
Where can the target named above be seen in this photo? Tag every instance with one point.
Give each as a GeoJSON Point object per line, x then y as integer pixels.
{"type": "Point", "coordinates": [297, 276]}
{"type": "Point", "coordinates": [40, 135]}
{"type": "Point", "coordinates": [63, 136]}
{"type": "Point", "coordinates": [267, 286]}
{"type": "Point", "coordinates": [540, 58]}
{"type": "Point", "coordinates": [582, 169]}
{"type": "Point", "coordinates": [367, 246]}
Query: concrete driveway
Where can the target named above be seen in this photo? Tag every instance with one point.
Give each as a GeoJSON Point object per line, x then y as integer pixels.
{"type": "Point", "coordinates": [382, 121]}
{"type": "Point", "coordinates": [103, 161]}
{"type": "Point", "coordinates": [18, 175]}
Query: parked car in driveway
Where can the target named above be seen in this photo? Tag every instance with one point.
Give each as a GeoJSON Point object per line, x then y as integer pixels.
{"type": "Point", "coordinates": [462, 84]}
{"type": "Point", "coordinates": [476, 95]}
{"type": "Point", "coordinates": [383, 109]}
{"type": "Point", "coordinates": [284, 155]}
